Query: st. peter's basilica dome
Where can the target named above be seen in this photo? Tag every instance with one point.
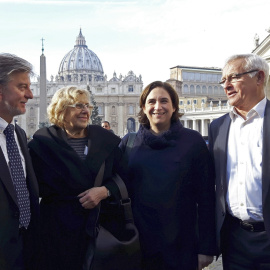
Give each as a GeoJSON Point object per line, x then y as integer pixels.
{"type": "Point", "coordinates": [80, 64]}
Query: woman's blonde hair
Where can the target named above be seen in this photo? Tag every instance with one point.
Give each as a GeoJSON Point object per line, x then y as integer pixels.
{"type": "Point", "coordinates": [63, 97]}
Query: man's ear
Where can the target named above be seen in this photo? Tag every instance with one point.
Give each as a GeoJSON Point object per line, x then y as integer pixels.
{"type": "Point", "coordinates": [260, 77]}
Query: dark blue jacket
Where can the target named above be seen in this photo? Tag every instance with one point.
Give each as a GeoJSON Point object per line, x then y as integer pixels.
{"type": "Point", "coordinates": [171, 184]}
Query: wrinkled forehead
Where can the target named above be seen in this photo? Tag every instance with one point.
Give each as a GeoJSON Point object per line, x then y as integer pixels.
{"type": "Point", "coordinates": [234, 67]}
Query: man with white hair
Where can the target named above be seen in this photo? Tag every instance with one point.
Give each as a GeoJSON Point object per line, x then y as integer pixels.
{"type": "Point", "coordinates": [240, 145]}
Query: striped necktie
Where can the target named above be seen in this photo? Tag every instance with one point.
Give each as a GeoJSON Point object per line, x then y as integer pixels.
{"type": "Point", "coordinates": [18, 178]}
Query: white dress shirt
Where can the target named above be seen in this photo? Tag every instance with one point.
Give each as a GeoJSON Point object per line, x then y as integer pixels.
{"type": "Point", "coordinates": [3, 145]}
{"type": "Point", "coordinates": [244, 164]}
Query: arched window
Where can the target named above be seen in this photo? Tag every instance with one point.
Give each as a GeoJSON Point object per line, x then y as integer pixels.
{"type": "Point", "coordinates": [210, 90]}
{"type": "Point", "coordinates": [198, 89]}
{"type": "Point", "coordinates": [192, 90]}
{"type": "Point", "coordinates": [204, 89]}
{"type": "Point", "coordinates": [131, 125]}
{"type": "Point", "coordinates": [221, 90]}
{"type": "Point", "coordinates": [186, 90]}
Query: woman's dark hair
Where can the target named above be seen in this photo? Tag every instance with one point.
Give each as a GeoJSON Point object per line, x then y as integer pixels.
{"type": "Point", "coordinates": [173, 95]}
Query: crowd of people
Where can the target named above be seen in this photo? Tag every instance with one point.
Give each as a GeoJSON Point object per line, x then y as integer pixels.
{"type": "Point", "coordinates": [190, 201]}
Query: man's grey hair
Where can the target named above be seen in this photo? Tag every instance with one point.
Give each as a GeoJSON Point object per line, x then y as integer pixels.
{"type": "Point", "coordinates": [10, 63]}
{"type": "Point", "coordinates": [253, 61]}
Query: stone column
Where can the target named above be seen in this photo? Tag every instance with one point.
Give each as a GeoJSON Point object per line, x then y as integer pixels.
{"type": "Point", "coordinates": [203, 127]}
{"type": "Point", "coordinates": [194, 124]}
{"type": "Point", "coordinates": [120, 115]}
{"type": "Point", "coordinates": [185, 123]}
{"type": "Point", "coordinates": [107, 112]}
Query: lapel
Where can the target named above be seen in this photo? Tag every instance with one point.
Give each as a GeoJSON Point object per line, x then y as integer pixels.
{"type": "Point", "coordinates": [30, 177]}
{"type": "Point", "coordinates": [222, 145]}
{"type": "Point", "coordinates": [266, 153]}
{"type": "Point", "coordinates": [6, 178]}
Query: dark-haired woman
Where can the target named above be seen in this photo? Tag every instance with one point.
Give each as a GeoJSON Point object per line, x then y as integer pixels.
{"type": "Point", "coordinates": [170, 180]}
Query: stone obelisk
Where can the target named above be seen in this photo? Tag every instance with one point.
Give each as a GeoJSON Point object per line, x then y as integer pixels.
{"type": "Point", "coordinates": [43, 90]}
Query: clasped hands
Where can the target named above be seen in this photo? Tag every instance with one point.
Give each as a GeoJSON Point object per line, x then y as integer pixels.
{"type": "Point", "coordinates": [91, 198]}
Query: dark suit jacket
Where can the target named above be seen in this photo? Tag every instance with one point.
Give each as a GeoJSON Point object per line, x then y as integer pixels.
{"type": "Point", "coordinates": [218, 139]}
{"type": "Point", "coordinates": [9, 210]}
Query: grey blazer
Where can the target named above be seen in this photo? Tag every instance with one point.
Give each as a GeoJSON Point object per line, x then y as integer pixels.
{"type": "Point", "coordinates": [218, 139]}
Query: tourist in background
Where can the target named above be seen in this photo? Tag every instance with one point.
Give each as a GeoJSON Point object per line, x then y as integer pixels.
{"type": "Point", "coordinates": [171, 184]}
{"type": "Point", "coordinates": [106, 125]}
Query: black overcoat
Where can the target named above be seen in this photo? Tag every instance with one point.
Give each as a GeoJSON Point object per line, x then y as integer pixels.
{"type": "Point", "coordinates": [62, 175]}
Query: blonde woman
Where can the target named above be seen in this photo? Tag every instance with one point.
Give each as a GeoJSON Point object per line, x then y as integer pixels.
{"type": "Point", "coordinates": [67, 157]}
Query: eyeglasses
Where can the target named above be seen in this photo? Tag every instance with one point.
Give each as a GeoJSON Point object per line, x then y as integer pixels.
{"type": "Point", "coordinates": [232, 78]}
{"type": "Point", "coordinates": [81, 106]}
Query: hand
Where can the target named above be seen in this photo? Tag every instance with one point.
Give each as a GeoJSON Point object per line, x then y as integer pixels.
{"type": "Point", "coordinates": [204, 260]}
{"type": "Point", "coordinates": [91, 198]}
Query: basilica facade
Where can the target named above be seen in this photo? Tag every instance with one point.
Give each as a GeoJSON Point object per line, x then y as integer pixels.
{"type": "Point", "coordinates": [116, 97]}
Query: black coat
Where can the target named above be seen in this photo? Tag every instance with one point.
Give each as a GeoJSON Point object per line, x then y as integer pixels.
{"type": "Point", "coordinates": [62, 175]}
{"type": "Point", "coordinates": [170, 180]}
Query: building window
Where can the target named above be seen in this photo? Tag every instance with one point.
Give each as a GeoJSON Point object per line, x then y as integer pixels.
{"type": "Point", "coordinates": [192, 90]}
{"type": "Point", "coordinates": [221, 90]}
{"type": "Point", "coordinates": [99, 90]}
{"type": "Point", "coordinates": [198, 89]}
{"type": "Point", "coordinates": [185, 76]}
{"type": "Point", "coordinates": [194, 101]}
{"type": "Point", "coordinates": [113, 109]}
{"type": "Point", "coordinates": [186, 88]}
{"type": "Point", "coordinates": [203, 101]}
{"type": "Point", "coordinates": [100, 110]}
{"type": "Point", "coordinates": [204, 90]}
{"type": "Point", "coordinates": [210, 90]}
{"type": "Point", "coordinates": [130, 88]}
{"type": "Point", "coordinates": [204, 77]}
{"type": "Point", "coordinates": [181, 102]}
{"type": "Point", "coordinates": [191, 76]}
{"type": "Point", "coordinates": [130, 109]}
{"type": "Point", "coordinates": [113, 90]}
{"type": "Point", "coordinates": [188, 102]}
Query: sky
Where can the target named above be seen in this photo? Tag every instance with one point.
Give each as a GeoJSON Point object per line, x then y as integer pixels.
{"type": "Point", "coordinates": [146, 36]}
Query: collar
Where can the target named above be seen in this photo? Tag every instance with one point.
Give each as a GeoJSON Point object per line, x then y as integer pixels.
{"type": "Point", "coordinates": [258, 109]}
{"type": "Point", "coordinates": [4, 123]}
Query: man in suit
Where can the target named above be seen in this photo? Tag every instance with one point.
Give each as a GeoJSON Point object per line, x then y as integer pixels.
{"type": "Point", "coordinates": [240, 144]}
{"type": "Point", "coordinates": [18, 186]}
